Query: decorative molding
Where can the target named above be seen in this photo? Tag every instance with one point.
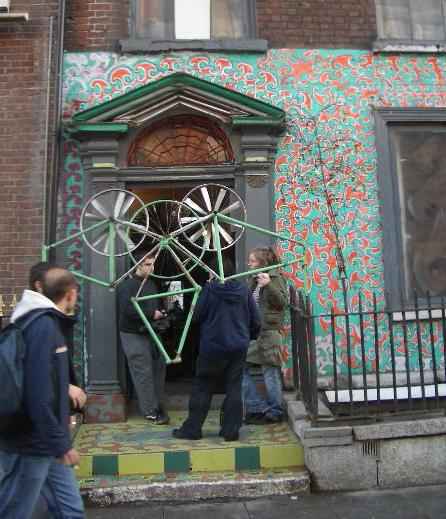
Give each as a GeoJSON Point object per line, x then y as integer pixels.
{"type": "Point", "coordinates": [257, 179]}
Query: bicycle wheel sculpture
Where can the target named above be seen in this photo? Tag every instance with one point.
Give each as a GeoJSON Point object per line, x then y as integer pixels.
{"type": "Point", "coordinates": [209, 220]}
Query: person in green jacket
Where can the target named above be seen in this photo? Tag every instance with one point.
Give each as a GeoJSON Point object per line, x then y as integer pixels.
{"type": "Point", "coordinates": [270, 293]}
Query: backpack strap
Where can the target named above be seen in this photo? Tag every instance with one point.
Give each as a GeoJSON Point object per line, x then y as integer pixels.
{"type": "Point", "coordinates": [26, 320]}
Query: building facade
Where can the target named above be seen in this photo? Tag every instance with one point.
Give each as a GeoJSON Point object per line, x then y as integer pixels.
{"type": "Point", "coordinates": [332, 132]}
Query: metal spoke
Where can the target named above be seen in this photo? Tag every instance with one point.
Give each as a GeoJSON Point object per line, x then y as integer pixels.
{"type": "Point", "coordinates": [226, 236]}
{"type": "Point", "coordinates": [206, 198]}
{"type": "Point", "coordinates": [196, 235]}
{"type": "Point", "coordinates": [194, 206]}
{"type": "Point", "coordinates": [99, 240]}
{"type": "Point", "coordinates": [127, 204]}
{"type": "Point", "coordinates": [118, 204]}
{"type": "Point", "coordinates": [125, 238]}
{"type": "Point", "coordinates": [220, 198]}
{"type": "Point", "coordinates": [231, 208]}
{"type": "Point", "coordinates": [99, 208]}
{"type": "Point", "coordinates": [93, 216]}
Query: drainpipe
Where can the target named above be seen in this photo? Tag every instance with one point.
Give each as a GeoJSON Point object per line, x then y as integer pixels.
{"type": "Point", "coordinates": [57, 141]}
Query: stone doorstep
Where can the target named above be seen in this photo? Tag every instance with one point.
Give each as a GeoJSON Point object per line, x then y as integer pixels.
{"type": "Point", "coordinates": [401, 429]}
{"type": "Point", "coordinates": [254, 485]}
{"type": "Point", "coordinates": [237, 458]}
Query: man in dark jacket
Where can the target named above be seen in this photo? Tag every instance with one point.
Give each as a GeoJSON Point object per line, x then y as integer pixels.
{"type": "Point", "coordinates": [146, 365]}
{"type": "Point", "coordinates": [38, 457]}
{"type": "Point", "coordinates": [228, 320]}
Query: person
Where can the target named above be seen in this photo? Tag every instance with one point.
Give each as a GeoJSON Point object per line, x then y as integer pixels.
{"type": "Point", "coordinates": [37, 273]}
{"type": "Point", "coordinates": [228, 320]}
{"type": "Point", "coordinates": [270, 293]}
{"type": "Point", "coordinates": [37, 457]}
{"type": "Point", "coordinates": [146, 365]}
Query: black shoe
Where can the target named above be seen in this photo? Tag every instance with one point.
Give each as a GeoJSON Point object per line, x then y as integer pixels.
{"type": "Point", "coordinates": [274, 419]}
{"type": "Point", "coordinates": [231, 438]}
{"type": "Point", "coordinates": [162, 418]}
{"type": "Point", "coordinates": [152, 416]}
{"type": "Point", "coordinates": [181, 435]}
{"type": "Point", "coordinates": [256, 419]}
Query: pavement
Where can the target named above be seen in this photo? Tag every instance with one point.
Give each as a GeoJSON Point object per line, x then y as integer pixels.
{"type": "Point", "coordinates": [413, 503]}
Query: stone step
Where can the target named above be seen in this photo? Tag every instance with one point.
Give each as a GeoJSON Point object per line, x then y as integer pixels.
{"type": "Point", "coordinates": [138, 448]}
{"type": "Point", "coordinates": [108, 491]}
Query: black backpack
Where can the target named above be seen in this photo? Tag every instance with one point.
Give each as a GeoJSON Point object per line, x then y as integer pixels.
{"type": "Point", "coordinates": [12, 361]}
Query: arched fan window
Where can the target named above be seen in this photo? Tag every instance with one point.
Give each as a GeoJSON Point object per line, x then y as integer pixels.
{"type": "Point", "coordinates": [181, 141]}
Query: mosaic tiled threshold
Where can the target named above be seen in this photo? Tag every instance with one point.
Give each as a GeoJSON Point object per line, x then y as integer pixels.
{"type": "Point", "coordinates": [135, 447]}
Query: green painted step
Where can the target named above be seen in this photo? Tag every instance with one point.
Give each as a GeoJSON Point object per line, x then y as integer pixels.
{"type": "Point", "coordinates": [138, 448]}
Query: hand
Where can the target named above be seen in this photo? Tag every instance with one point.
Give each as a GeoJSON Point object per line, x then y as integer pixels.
{"type": "Point", "coordinates": [71, 458]}
{"type": "Point", "coordinates": [263, 279]}
{"type": "Point", "coordinates": [77, 396]}
{"type": "Point", "coordinates": [158, 315]}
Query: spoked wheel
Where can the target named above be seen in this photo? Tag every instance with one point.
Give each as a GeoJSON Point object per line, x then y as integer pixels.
{"type": "Point", "coordinates": [113, 207]}
{"type": "Point", "coordinates": [166, 240]}
{"type": "Point", "coordinates": [206, 201]}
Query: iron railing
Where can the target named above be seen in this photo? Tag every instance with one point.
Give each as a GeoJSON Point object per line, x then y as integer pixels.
{"type": "Point", "coordinates": [367, 360]}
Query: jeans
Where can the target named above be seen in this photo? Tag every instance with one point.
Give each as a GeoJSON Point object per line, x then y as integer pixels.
{"type": "Point", "coordinates": [254, 403]}
{"type": "Point", "coordinates": [24, 478]}
{"type": "Point", "coordinates": [209, 371]}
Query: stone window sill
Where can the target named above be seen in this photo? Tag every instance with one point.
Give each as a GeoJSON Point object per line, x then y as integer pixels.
{"type": "Point", "coordinates": [149, 46]}
{"type": "Point", "coordinates": [409, 46]}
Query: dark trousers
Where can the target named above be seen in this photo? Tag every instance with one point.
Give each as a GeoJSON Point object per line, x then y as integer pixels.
{"type": "Point", "coordinates": [210, 372]}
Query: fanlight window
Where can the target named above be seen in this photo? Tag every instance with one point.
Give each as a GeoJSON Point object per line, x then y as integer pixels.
{"type": "Point", "coordinates": [181, 141]}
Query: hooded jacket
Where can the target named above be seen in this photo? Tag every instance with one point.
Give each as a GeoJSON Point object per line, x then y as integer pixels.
{"type": "Point", "coordinates": [45, 431]}
{"type": "Point", "coordinates": [228, 318]}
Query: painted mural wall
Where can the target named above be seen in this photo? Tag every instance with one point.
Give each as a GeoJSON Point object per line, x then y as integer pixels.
{"type": "Point", "coordinates": [327, 95]}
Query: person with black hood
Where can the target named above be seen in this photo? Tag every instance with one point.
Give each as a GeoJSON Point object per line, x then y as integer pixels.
{"type": "Point", "coordinates": [228, 319]}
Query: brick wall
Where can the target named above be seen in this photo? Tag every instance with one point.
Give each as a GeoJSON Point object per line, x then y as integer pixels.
{"type": "Point", "coordinates": [96, 24]}
{"type": "Point", "coordinates": [317, 23]}
{"type": "Point", "coordinates": [99, 24]}
{"type": "Point", "coordinates": [24, 61]}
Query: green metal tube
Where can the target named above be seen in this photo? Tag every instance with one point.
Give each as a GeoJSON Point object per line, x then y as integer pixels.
{"type": "Point", "coordinates": [264, 269]}
{"type": "Point", "coordinates": [228, 219]}
{"type": "Point", "coordinates": [185, 271]}
{"type": "Point", "coordinates": [151, 331]}
{"type": "Point", "coordinates": [194, 258]}
{"type": "Point", "coordinates": [217, 243]}
{"type": "Point", "coordinates": [187, 323]}
{"type": "Point", "coordinates": [44, 253]}
{"type": "Point", "coordinates": [111, 252]}
{"type": "Point", "coordinates": [76, 235]}
{"type": "Point", "coordinates": [165, 294]}
{"type": "Point", "coordinates": [89, 278]}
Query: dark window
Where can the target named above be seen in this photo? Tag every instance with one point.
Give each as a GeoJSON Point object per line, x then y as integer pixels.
{"type": "Point", "coordinates": [412, 177]}
{"type": "Point", "coordinates": [194, 19]}
{"type": "Point", "coordinates": [411, 20]}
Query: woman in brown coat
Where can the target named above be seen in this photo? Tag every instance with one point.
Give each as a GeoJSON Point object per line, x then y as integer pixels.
{"type": "Point", "coordinates": [270, 293]}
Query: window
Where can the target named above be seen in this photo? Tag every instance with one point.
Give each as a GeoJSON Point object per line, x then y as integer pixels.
{"type": "Point", "coordinates": [194, 19]}
{"type": "Point", "coordinates": [411, 20]}
{"type": "Point", "coordinates": [412, 178]}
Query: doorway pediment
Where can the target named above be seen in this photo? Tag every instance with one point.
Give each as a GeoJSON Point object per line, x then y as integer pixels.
{"type": "Point", "coordinates": [176, 93]}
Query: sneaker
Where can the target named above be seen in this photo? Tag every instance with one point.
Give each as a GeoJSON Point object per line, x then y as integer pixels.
{"type": "Point", "coordinates": [152, 416]}
{"type": "Point", "coordinates": [255, 419]}
{"type": "Point", "coordinates": [162, 418]}
{"type": "Point", "coordinates": [181, 435]}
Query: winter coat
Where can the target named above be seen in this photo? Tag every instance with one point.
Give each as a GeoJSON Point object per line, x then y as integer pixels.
{"type": "Point", "coordinates": [272, 303]}
{"type": "Point", "coordinates": [129, 319]}
{"type": "Point", "coordinates": [45, 431]}
{"type": "Point", "coordinates": [228, 318]}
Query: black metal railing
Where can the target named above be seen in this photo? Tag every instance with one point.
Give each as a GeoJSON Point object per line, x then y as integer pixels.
{"type": "Point", "coordinates": [364, 359]}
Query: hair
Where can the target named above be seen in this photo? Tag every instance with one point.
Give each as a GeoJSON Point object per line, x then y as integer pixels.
{"type": "Point", "coordinates": [57, 282]}
{"type": "Point", "coordinates": [139, 254]}
{"type": "Point", "coordinates": [228, 265]}
{"type": "Point", "coordinates": [266, 256]}
{"type": "Point", "coordinates": [37, 273]}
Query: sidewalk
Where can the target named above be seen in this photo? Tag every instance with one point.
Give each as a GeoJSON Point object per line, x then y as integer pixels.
{"type": "Point", "coordinates": [414, 503]}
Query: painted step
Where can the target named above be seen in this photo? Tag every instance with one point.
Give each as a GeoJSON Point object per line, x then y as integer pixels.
{"type": "Point", "coordinates": [137, 448]}
{"type": "Point", "coordinates": [108, 491]}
